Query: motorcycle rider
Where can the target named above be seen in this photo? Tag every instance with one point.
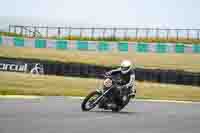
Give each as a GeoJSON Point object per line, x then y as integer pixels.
{"type": "Point", "coordinates": [126, 74]}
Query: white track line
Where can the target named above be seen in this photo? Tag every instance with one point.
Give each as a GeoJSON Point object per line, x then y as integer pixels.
{"type": "Point", "coordinates": [148, 100]}
{"type": "Point", "coordinates": [166, 101]}
{"type": "Point", "coordinates": [19, 97]}
{"type": "Point", "coordinates": [81, 98]}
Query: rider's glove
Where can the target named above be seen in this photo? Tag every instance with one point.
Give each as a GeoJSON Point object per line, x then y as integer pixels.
{"type": "Point", "coordinates": [108, 73]}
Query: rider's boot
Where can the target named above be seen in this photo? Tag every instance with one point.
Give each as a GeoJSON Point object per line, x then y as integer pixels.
{"type": "Point", "coordinates": [132, 93]}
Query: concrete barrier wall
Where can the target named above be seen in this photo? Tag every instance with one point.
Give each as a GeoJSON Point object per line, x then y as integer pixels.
{"type": "Point", "coordinates": [101, 46]}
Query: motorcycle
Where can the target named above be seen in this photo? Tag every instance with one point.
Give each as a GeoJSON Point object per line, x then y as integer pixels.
{"type": "Point", "coordinates": [103, 96]}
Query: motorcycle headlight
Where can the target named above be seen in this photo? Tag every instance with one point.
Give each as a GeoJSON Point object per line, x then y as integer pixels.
{"type": "Point", "coordinates": [107, 83]}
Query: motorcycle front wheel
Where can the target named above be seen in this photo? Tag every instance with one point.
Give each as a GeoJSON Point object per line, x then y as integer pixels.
{"type": "Point", "coordinates": [88, 102]}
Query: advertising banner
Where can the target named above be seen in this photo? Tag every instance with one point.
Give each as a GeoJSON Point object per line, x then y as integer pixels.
{"type": "Point", "coordinates": [21, 66]}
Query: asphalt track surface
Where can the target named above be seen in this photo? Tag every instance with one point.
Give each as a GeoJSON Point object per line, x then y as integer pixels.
{"type": "Point", "coordinates": [63, 115]}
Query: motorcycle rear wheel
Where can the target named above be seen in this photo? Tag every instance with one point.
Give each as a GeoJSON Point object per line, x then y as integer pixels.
{"type": "Point", "coordinates": [124, 104]}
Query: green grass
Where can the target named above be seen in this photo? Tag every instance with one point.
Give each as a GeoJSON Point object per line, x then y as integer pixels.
{"type": "Point", "coordinates": [26, 84]}
{"type": "Point", "coordinates": [187, 62]}
{"type": "Point", "coordinates": [10, 34]}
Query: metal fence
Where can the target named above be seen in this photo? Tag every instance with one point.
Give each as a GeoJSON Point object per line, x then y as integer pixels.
{"type": "Point", "coordinates": [124, 33]}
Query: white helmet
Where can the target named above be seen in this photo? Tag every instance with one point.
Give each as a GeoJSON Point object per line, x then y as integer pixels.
{"type": "Point", "coordinates": [126, 66]}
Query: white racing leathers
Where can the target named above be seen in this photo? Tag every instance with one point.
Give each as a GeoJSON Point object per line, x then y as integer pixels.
{"type": "Point", "coordinates": [128, 79]}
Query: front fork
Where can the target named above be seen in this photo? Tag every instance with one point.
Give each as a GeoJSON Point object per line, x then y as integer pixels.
{"type": "Point", "coordinates": [102, 95]}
